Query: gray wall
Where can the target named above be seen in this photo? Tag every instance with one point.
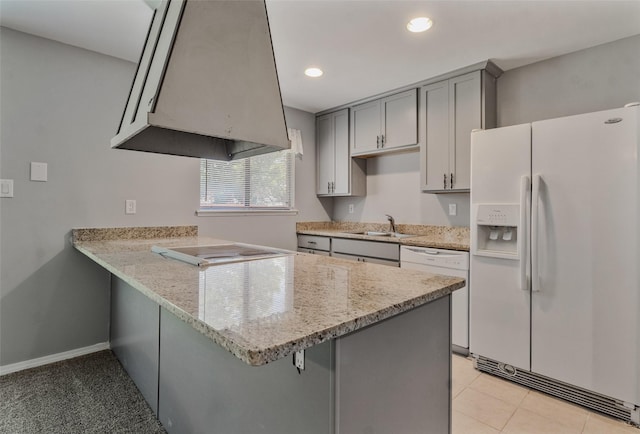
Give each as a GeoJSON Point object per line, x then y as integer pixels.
{"type": "Point", "coordinates": [61, 105]}
{"type": "Point", "coordinates": [393, 187]}
{"type": "Point", "coordinates": [598, 78]}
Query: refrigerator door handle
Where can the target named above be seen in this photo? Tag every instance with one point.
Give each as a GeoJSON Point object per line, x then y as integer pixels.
{"type": "Point", "coordinates": [525, 185]}
{"type": "Point", "coordinates": [535, 196]}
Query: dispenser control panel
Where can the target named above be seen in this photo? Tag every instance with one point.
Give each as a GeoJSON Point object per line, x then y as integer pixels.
{"type": "Point", "coordinates": [498, 215]}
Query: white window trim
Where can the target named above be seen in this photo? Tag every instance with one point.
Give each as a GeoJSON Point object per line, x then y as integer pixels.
{"type": "Point", "coordinates": [244, 212]}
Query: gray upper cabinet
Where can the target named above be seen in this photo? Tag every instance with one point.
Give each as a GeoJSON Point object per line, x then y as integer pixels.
{"type": "Point", "coordinates": [385, 125]}
{"type": "Point", "coordinates": [365, 126]}
{"type": "Point", "coordinates": [337, 173]}
{"type": "Point", "coordinates": [449, 111]}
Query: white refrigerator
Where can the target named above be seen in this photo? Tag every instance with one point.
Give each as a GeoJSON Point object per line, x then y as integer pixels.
{"type": "Point", "coordinates": [555, 243]}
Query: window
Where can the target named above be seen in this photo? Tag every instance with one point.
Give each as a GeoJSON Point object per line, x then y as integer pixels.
{"type": "Point", "coordinates": [260, 182]}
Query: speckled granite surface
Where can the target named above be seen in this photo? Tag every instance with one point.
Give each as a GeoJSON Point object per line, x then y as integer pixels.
{"type": "Point", "coordinates": [129, 233]}
{"type": "Point", "coordinates": [264, 310]}
{"type": "Point", "coordinates": [443, 237]}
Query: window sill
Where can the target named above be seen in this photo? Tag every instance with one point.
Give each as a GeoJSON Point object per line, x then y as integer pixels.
{"type": "Point", "coordinates": [244, 212]}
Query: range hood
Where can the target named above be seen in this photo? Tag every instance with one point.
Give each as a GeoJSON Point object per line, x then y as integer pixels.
{"type": "Point", "coordinates": [206, 84]}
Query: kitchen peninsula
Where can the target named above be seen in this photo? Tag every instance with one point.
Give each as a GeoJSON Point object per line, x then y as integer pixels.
{"type": "Point", "coordinates": [211, 348]}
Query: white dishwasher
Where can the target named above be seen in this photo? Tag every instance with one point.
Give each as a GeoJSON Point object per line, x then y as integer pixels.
{"type": "Point", "coordinates": [450, 263]}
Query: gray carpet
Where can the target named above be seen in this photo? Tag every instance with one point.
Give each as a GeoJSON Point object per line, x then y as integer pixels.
{"type": "Point", "coordinates": [89, 394]}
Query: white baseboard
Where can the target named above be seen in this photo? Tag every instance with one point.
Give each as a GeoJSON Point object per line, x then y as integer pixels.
{"type": "Point", "coordinates": [41, 361]}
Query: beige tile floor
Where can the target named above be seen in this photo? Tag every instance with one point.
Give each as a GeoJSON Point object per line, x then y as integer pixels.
{"type": "Point", "coordinates": [484, 404]}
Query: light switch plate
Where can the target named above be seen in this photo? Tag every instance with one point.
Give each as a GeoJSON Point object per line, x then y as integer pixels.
{"type": "Point", "coordinates": [129, 206]}
{"type": "Point", "coordinates": [38, 171]}
{"type": "Point", "coordinates": [6, 187]}
{"type": "Point", "coordinates": [453, 209]}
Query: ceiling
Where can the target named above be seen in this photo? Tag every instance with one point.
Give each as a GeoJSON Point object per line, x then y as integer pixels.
{"type": "Point", "coordinates": [362, 45]}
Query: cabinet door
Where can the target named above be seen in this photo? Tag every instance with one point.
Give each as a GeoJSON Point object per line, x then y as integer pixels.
{"type": "Point", "coordinates": [466, 115]}
{"type": "Point", "coordinates": [325, 153]}
{"type": "Point", "coordinates": [371, 249]}
{"type": "Point", "coordinates": [342, 163]}
{"type": "Point", "coordinates": [434, 149]}
{"type": "Point", "coordinates": [365, 127]}
{"type": "Point", "coordinates": [313, 252]}
{"type": "Point", "coordinates": [134, 328]}
{"type": "Point", "coordinates": [400, 120]}
{"type": "Point", "coordinates": [366, 259]}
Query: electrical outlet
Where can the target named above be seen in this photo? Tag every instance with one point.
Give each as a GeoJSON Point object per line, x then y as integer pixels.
{"type": "Point", "coordinates": [129, 206]}
{"type": "Point", "coordinates": [453, 209]}
{"type": "Point", "coordinates": [350, 208]}
{"type": "Point", "coordinates": [298, 360]}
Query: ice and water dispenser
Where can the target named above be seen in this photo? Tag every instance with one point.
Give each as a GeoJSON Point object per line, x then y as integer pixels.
{"type": "Point", "coordinates": [497, 230]}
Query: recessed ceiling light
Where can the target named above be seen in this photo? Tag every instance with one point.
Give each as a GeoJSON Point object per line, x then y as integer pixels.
{"type": "Point", "coordinates": [313, 72]}
{"type": "Point", "coordinates": [420, 24]}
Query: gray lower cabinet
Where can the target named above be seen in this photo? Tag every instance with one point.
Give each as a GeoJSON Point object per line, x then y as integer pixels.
{"type": "Point", "coordinates": [366, 259]}
{"type": "Point", "coordinates": [366, 251]}
{"type": "Point", "coordinates": [314, 244]}
{"type": "Point", "coordinates": [394, 377]}
{"type": "Point", "coordinates": [134, 336]}
{"type": "Point", "coordinates": [313, 252]}
{"type": "Point", "coordinates": [390, 377]}
{"type": "Point", "coordinates": [350, 249]}
{"type": "Point", "coordinates": [205, 389]}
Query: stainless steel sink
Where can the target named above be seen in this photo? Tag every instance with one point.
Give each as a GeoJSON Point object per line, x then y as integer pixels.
{"type": "Point", "coordinates": [383, 234]}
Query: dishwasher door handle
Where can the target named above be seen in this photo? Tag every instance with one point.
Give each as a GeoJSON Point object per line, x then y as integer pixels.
{"type": "Point", "coordinates": [429, 252]}
{"type": "Point", "coordinates": [434, 252]}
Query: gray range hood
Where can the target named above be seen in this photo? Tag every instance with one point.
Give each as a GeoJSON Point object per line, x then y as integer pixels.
{"type": "Point", "coordinates": [206, 84]}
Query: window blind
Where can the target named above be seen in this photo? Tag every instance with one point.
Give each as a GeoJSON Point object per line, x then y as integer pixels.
{"type": "Point", "coordinates": [260, 182]}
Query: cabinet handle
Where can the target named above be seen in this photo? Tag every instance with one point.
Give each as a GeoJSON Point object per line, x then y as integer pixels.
{"type": "Point", "coordinates": [311, 242]}
{"type": "Point", "coordinates": [444, 182]}
{"type": "Point", "coordinates": [378, 142]}
{"type": "Point", "coordinates": [451, 183]}
{"type": "Point", "coordinates": [382, 141]}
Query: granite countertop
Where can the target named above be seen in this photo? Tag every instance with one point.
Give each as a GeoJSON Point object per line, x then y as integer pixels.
{"type": "Point", "coordinates": [266, 309]}
{"type": "Point", "coordinates": [442, 237]}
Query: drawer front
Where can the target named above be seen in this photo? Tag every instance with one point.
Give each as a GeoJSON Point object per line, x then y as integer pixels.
{"type": "Point", "coordinates": [371, 249]}
{"type": "Point", "coordinates": [314, 242]}
{"type": "Point", "coordinates": [365, 259]}
{"type": "Point", "coordinates": [312, 251]}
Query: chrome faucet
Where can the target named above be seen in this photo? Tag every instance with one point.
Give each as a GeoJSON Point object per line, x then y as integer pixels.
{"type": "Point", "coordinates": [392, 223]}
